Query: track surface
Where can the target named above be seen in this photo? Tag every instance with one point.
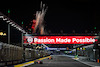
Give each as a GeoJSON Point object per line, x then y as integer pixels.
{"type": "Point", "coordinates": [60, 61]}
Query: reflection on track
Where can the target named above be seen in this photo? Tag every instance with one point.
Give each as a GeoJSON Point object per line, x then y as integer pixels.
{"type": "Point", "coordinates": [59, 61]}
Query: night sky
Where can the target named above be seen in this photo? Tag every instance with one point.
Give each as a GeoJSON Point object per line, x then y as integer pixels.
{"type": "Point", "coordinates": [68, 15]}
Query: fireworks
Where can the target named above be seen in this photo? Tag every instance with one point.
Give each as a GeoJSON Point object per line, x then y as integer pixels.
{"type": "Point", "coordinates": [40, 18]}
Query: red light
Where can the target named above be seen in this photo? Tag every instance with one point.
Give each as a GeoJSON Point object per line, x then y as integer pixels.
{"type": "Point", "coordinates": [33, 24]}
{"type": "Point", "coordinates": [32, 27]}
{"type": "Point", "coordinates": [34, 21]}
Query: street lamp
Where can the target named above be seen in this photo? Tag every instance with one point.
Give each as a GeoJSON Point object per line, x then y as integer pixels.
{"type": "Point", "coordinates": [1, 33]}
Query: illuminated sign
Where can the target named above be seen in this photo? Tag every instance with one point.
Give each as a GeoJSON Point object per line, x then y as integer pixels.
{"type": "Point", "coordinates": [56, 49]}
{"type": "Point", "coordinates": [68, 51]}
{"type": "Point", "coordinates": [60, 39]}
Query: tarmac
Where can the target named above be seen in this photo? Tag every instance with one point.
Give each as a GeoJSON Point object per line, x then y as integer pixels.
{"type": "Point", "coordinates": [62, 61]}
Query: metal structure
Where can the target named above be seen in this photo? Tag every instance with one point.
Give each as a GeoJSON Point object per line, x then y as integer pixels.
{"type": "Point", "coordinates": [11, 22]}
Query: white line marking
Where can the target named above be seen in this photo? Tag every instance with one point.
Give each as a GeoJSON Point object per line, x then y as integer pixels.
{"type": "Point", "coordinates": [97, 66]}
{"type": "Point", "coordinates": [86, 63]}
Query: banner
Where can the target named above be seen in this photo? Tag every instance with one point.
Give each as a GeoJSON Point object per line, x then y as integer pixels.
{"type": "Point", "coordinates": [56, 48]}
{"type": "Point", "coordinates": [59, 39]}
